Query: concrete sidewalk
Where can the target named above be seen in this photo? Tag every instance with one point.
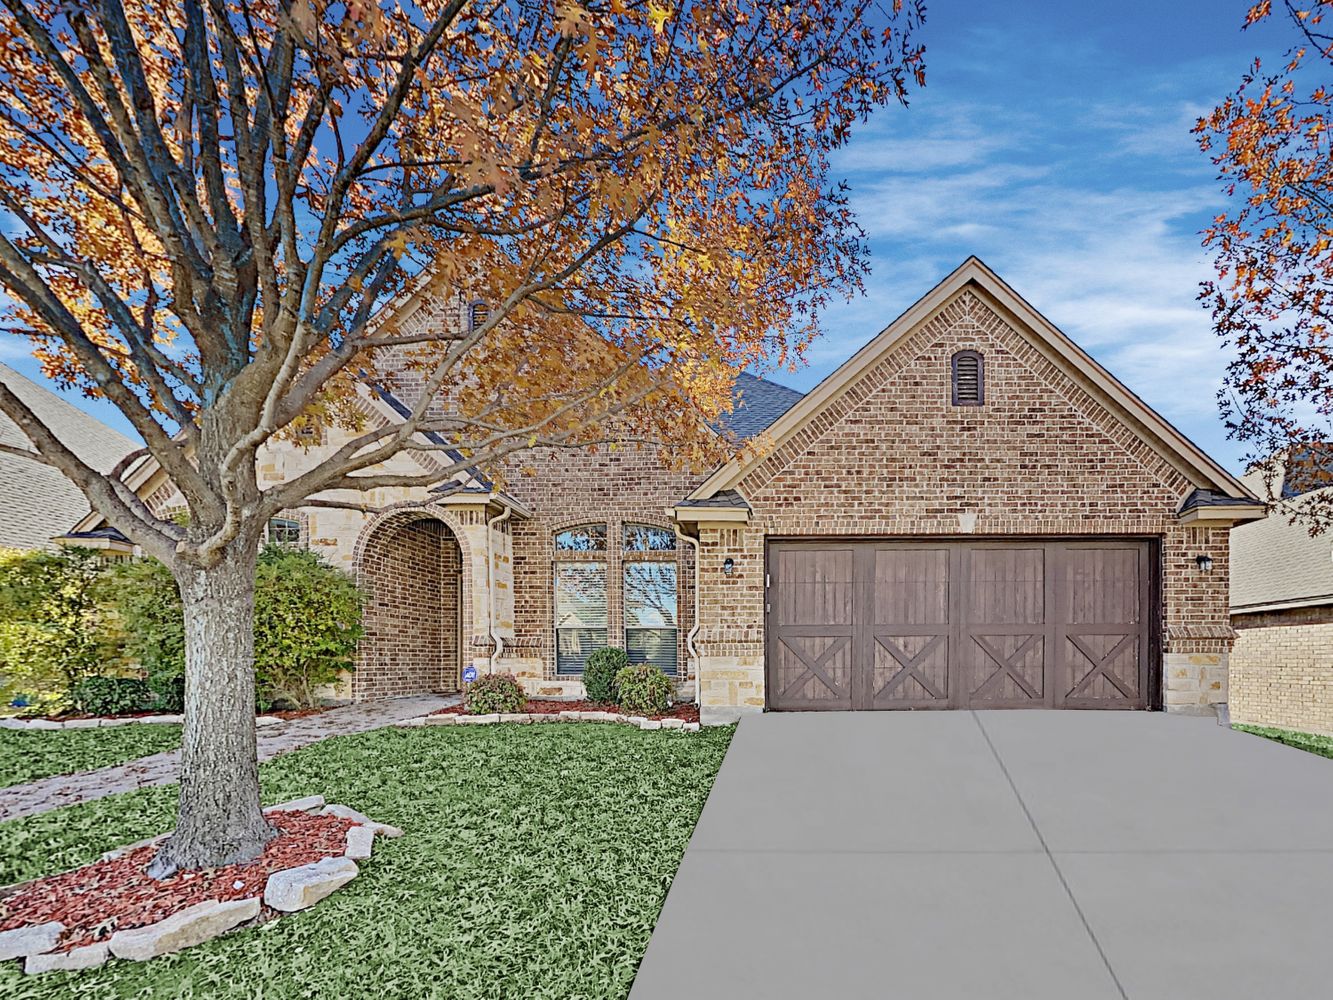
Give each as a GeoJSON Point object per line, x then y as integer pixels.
{"type": "Point", "coordinates": [1024, 855]}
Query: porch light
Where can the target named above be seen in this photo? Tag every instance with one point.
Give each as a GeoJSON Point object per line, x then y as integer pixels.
{"type": "Point", "coordinates": [728, 566]}
{"type": "Point", "coordinates": [1205, 563]}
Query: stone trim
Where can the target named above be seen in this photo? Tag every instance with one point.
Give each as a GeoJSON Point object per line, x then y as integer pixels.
{"type": "Point", "coordinates": [525, 718]}
{"type": "Point", "coordinates": [106, 723]}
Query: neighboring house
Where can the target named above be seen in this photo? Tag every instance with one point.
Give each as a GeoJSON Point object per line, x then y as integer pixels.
{"type": "Point", "coordinates": [36, 501]}
{"type": "Point", "coordinates": [1282, 610]}
{"type": "Point", "coordinates": [970, 512]}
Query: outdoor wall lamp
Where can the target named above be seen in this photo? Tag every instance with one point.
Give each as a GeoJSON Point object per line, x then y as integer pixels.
{"type": "Point", "coordinates": [728, 566]}
{"type": "Point", "coordinates": [1205, 563]}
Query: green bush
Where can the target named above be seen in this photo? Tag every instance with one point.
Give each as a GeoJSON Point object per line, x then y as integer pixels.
{"type": "Point", "coordinates": [644, 689]}
{"type": "Point", "coordinates": [144, 597]}
{"type": "Point", "coordinates": [307, 624]}
{"type": "Point", "coordinates": [599, 672]}
{"type": "Point", "coordinates": [53, 630]}
{"type": "Point", "coordinates": [110, 695]}
{"type": "Point", "coordinates": [491, 693]}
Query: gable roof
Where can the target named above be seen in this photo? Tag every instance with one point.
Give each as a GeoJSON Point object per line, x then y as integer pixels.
{"type": "Point", "coordinates": [757, 402]}
{"type": "Point", "coordinates": [37, 500]}
{"type": "Point", "coordinates": [1190, 460]}
{"type": "Point", "coordinates": [1278, 564]}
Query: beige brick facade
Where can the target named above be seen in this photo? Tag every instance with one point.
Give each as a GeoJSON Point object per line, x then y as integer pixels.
{"type": "Point", "coordinates": [1282, 669]}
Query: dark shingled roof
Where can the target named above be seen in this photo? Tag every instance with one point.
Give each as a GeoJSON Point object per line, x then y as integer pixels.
{"type": "Point", "coordinates": [723, 498]}
{"type": "Point", "coordinates": [109, 533]}
{"type": "Point", "coordinates": [759, 402]}
{"type": "Point", "coordinates": [1209, 498]}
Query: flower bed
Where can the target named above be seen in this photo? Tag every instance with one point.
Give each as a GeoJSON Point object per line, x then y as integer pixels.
{"type": "Point", "coordinates": [686, 711]}
{"type": "Point", "coordinates": [79, 918]}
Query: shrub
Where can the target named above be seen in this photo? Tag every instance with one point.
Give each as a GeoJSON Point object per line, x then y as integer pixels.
{"type": "Point", "coordinates": [599, 672]}
{"type": "Point", "coordinates": [52, 627]}
{"type": "Point", "coordinates": [493, 693]}
{"type": "Point", "coordinates": [110, 695]}
{"type": "Point", "coordinates": [307, 625]}
{"type": "Point", "coordinates": [644, 689]}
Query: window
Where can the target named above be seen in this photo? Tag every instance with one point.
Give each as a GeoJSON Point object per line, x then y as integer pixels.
{"type": "Point", "coordinates": [584, 538]}
{"type": "Point", "coordinates": [650, 596]}
{"type": "Point", "coordinates": [284, 531]}
{"type": "Point", "coordinates": [580, 613]}
{"type": "Point", "coordinates": [969, 386]}
{"type": "Point", "coordinates": [477, 314]}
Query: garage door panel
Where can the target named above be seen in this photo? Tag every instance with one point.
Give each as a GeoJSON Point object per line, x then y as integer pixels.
{"type": "Point", "coordinates": [980, 624]}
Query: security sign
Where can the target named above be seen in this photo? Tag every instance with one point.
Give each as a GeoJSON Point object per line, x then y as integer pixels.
{"type": "Point", "coordinates": [469, 674]}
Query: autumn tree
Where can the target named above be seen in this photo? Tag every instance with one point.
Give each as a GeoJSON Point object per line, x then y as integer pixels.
{"type": "Point", "coordinates": [1273, 299]}
{"type": "Point", "coordinates": [215, 205]}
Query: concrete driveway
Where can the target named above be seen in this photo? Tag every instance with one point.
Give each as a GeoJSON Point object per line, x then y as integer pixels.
{"type": "Point", "coordinates": [1032, 855]}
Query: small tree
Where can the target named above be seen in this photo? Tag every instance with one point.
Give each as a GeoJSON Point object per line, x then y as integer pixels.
{"type": "Point", "coordinates": [1273, 300]}
{"type": "Point", "coordinates": [52, 630]}
{"type": "Point", "coordinates": [212, 204]}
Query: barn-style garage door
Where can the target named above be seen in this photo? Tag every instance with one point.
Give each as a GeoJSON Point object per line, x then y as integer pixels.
{"type": "Point", "coordinates": [1004, 624]}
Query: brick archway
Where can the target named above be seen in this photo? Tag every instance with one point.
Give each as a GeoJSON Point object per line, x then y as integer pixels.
{"type": "Point", "coordinates": [413, 568]}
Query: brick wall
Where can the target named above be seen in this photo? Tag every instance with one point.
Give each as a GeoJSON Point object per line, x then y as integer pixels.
{"type": "Point", "coordinates": [893, 457]}
{"type": "Point", "coordinates": [1282, 669]}
{"type": "Point", "coordinates": [411, 574]}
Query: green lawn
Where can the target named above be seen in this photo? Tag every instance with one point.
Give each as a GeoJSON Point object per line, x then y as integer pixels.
{"type": "Point", "coordinates": [535, 861]}
{"type": "Point", "coordinates": [29, 754]}
{"type": "Point", "coordinates": [1322, 745]}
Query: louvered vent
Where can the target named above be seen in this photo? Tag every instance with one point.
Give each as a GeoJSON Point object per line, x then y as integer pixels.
{"type": "Point", "coordinates": [968, 379]}
{"type": "Point", "coordinates": [478, 313]}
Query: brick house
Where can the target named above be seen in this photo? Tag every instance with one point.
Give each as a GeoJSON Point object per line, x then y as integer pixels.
{"type": "Point", "coordinates": [969, 512]}
{"type": "Point", "coordinates": [1282, 608]}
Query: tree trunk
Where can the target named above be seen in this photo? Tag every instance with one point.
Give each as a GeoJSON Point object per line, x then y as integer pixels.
{"type": "Point", "coordinates": [220, 819]}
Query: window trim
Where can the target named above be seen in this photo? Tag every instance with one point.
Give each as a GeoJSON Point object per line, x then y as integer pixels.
{"type": "Point", "coordinates": [979, 358]}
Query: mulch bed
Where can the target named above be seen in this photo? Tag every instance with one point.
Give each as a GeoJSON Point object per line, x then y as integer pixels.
{"type": "Point", "coordinates": [686, 711]}
{"type": "Point", "coordinates": [107, 896]}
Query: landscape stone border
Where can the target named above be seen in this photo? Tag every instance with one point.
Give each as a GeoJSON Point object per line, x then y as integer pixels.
{"type": "Point", "coordinates": [103, 723]}
{"type": "Point", "coordinates": [285, 891]}
{"type": "Point", "coordinates": [460, 719]}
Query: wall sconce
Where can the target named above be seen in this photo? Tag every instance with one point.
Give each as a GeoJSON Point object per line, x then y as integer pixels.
{"type": "Point", "coordinates": [728, 566]}
{"type": "Point", "coordinates": [1205, 563]}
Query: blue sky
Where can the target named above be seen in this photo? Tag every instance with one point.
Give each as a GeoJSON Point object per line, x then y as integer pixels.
{"type": "Point", "coordinates": [1053, 141]}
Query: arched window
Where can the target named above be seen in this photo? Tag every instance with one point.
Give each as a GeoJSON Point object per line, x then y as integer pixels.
{"type": "Point", "coordinates": [969, 379]}
{"type": "Point", "coordinates": [477, 314]}
{"type": "Point", "coordinates": [649, 579]}
{"type": "Point", "coordinates": [580, 595]}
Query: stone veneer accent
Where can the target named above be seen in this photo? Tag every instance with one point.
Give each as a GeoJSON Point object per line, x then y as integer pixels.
{"type": "Point", "coordinates": [1282, 669]}
{"type": "Point", "coordinates": [892, 457]}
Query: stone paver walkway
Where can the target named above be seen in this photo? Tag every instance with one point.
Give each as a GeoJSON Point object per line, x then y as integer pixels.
{"type": "Point", "coordinates": [164, 768]}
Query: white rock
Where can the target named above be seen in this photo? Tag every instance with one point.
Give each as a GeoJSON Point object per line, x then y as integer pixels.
{"type": "Point", "coordinates": [297, 888]}
{"type": "Point", "coordinates": [478, 720]}
{"type": "Point", "coordinates": [193, 925]}
{"type": "Point", "coordinates": [672, 723]}
{"type": "Point", "coordinates": [691, 727]}
{"type": "Point", "coordinates": [347, 812]}
{"type": "Point", "coordinates": [571, 716]}
{"type": "Point", "coordinates": [410, 723]}
{"type": "Point", "coordinates": [90, 956]}
{"type": "Point", "coordinates": [12, 724]}
{"type": "Point", "coordinates": [268, 720]}
{"type": "Point", "coordinates": [651, 724]}
{"type": "Point", "coordinates": [441, 720]}
{"type": "Point", "coordinates": [43, 724]}
{"type": "Point", "coordinates": [636, 720]}
{"type": "Point", "coordinates": [515, 717]}
{"type": "Point", "coordinates": [31, 940]}
{"type": "Point", "coordinates": [161, 720]}
{"type": "Point", "coordinates": [308, 804]}
{"type": "Point", "coordinates": [82, 723]}
{"type": "Point", "coordinates": [360, 842]}
{"type": "Point", "coordinates": [110, 723]}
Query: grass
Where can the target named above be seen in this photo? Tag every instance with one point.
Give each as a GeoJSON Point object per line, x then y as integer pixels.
{"type": "Point", "coordinates": [1322, 745]}
{"type": "Point", "coordinates": [535, 862]}
{"type": "Point", "coordinates": [29, 754]}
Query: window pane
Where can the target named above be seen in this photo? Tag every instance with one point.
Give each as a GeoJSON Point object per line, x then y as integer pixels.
{"type": "Point", "coordinates": [584, 538]}
{"type": "Point", "coordinates": [284, 531]}
{"type": "Point", "coordinates": [646, 538]}
{"type": "Point", "coordinates": [572, 646]}
{"type": "Point", "coordinates": [650, 595]}
{"type": "Point", "coordinates": [652, 645]}
{"type": "Point", "coordinates": [580, 595]}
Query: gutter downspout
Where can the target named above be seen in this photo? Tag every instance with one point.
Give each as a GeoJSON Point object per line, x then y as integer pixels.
{"type": "Point", "coordinates": [490, 588]}
{"type": "Point", "coordinates": [694, 630]}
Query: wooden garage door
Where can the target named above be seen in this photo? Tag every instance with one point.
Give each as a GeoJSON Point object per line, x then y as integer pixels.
{"type": "Point", "coordinates": [1004, 624]}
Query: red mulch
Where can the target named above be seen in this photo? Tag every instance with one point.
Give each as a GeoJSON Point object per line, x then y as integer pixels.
{"type": "Point", "coordinates": [685, 711]}
{"type": "Point", "coordinates": [106, 896]}
{"type": "Point", "coordinates": [296, 713]}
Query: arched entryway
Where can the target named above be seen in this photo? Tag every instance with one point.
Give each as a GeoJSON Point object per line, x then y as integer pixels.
{"type": "Point", "coordinates": [411, 571]}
